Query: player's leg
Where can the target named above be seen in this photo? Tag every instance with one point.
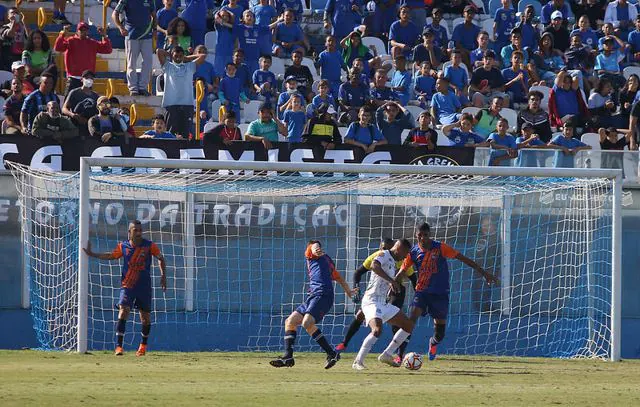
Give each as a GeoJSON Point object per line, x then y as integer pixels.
{"type": "Point", "coordinates": [124, 307]}
{"type": "Point", "coordinates": [417, 309]}
{"type": "Point", "coordinates": [376, 330]}
{"type": "Point", "coordinates": [291, 325]}
{"type": "Point", "coordinates": [438, 309]}
{"type": "Point", "coordinates": [318, 307]}
{"type": "Point", "coordinates": [397, 299]}
{"type": "Point", "coordinates": [145, 319]}
{"type": "Point", "coordinates": [353, 329]}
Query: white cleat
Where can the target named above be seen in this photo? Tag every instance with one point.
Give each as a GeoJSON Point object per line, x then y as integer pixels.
{"type": "Point", "coordinates": [388, 359]}
{"type": "Point", "coordinates": [358, 366]}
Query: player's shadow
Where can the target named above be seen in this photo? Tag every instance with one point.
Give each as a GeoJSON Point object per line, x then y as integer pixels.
{"type": "Point", "coordinates": [490, 360]}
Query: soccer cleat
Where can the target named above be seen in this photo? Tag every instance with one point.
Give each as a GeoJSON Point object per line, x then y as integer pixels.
{"type": "Point", "coordinates": [142, 350]}
{"type": "Point", "coordinates": [397, 359]}
{"type": "Point", "coordinates": [358, 366]}
{"type": "Point", "coordinates": [341, 347]}
{"type": "Point", "coordinates": [388, 359]}
{"type": "Point", "coordinates": [119, 351]}
{"type": "Point", "coordinates": [282, 362]}
{"type": "Point", "coordinates": [432, 351]}
{"type": "Point", "coordinates": [332, 360]}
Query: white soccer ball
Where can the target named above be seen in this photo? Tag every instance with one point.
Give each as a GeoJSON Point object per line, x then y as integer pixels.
{"type": "Point", "coordinates": [412, 361]}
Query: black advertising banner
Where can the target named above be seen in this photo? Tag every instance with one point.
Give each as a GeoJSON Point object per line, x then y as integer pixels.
{"type": "Point", "coordinates": [66, 157]}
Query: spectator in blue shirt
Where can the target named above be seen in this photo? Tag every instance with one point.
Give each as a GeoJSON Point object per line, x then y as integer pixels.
{"type": "Point", "coordinates": [401, 81]}
{"type": "Point", "coordinates": [243, 73]}
{"type": "Point", "coordinates": [288, 37]}
{"type": "Point", "coordinates": [608, 64]}
{"type": "Point", "coordinates": [587, 36]}
{"type": "Point", "coordinates": [250, 35]}
{"type": "Point", "coordinates": [460, 133]}
{"type": "Point", "coordinates": [444, 103]}
{"type": "Point", "coordinates": [392, 119]}
{"type": "Point", "coordinates": [331, 65]}
{"type": "Point", "coordinates": [526, 142]}
{"type": "Point", "coordinates": [555, 5]}
{"type": "Point", "coordinates": [503, 22]}
{"type": "Point", "coordinates": [294, 118]}
{"type": "Point", "coordinates": [293, 5]}
{"type": "Point", "coordinates": [403, 34]}
{"type": "Point", "coordinates": [424, 85]}
{"type": "Point", "coordinates": [195, 12]}
{"type": "Point", "coordinates": [265, 14]}
{"type": "Point", "coordinates": [159, 130]}
{"type": "Point", "coordinates": [515, 45]}
{"type": "Point", "coordinates": [352, 96]}
{"type": "Point", "coordinates": [477, 55]}
{"type": "Point", "coordinates": [503, 145]}
{"type": "Point", "coordinates": [207, 73]}
{"type": "Point", "coordinates": [324, 96]}
{"type": "Point", "coordinates": [517, 79]}
{"type": "Point", "coordinates": [380, 93]}
{"type": "Point", "coordinates": [568, 145]}
{"type": "Point", "coordinates": [165, 15]}
{"type": "Point", "coordinates": [291, 88]}
{"type": "Point", "coordinates": [363, 133]}
{"type": "Point", "coordinates": [235, 8]}
{"type": "Point", "coordinates": [264, 81]}
{"type": "Point", "coordinates": [465, 35]}
{"type": "Point", "coordinates": [230, 93]}
{"type": "Point", "coordinates": [342, 17]}
{"type": "Point", "coordinates": [458, 77]}
{"type": "Point", "coordinates": [528, 26]}
{"type": "Point", "coordinates": [634, 42]}
{"type": "Point", "coordinates": [224, 22]}
{"type": "Point", "coordinates": [441, 37]}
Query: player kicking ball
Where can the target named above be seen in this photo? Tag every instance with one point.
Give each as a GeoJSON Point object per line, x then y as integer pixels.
{"type": "Point", "coordinates": [395, 298]}
{"type": "Point", "coordinates": [432, 291]}
{"type": "Point", "coordinates": [136, 287]}
{"type": "Point", "coordinates": [322, 273]}
{"type": "Point", "coordinates": [375, 307]}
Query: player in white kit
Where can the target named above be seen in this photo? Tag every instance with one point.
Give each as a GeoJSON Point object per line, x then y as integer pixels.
{"type": "Point", "coordinates": [377, 310]}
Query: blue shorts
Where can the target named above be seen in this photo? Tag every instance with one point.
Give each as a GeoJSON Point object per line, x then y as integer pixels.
{"type": "Point", "coordinates": [140, 299]}
{"type": "Point", "coordinates": [316, 306]}
{"type": "Point", "coordinates": [436, 305]}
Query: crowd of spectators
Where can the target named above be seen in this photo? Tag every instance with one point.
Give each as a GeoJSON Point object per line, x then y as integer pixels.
{"type": "Point", "coordinates": [574, 51]}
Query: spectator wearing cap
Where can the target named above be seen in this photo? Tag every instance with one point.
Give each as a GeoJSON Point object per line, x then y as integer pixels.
{"type": "Point", "coordinates": [342, 16]}
{"type": "Point", "coordinates": [13, 37]}
{"type": "Point", "coordinates": [465, 35]}
{"type": "Point", "coordinates": [137, 28]}
{"type": "Point", "coordinates": [403, 34]}
{"type": "Point", "coordinates": [363, 133]}
{"type": "Point", "coordinates": [622, 15]}
{"type": "Point", "coordinates": [322, 128]}
{"type": "Point", "coordinates": [19, 72]}
{"type": "Point", "coordinates": [36, 102]}
{"type": "Point", "coordinates": [427, 50]}
{"type": "Point", "coordinates": [559, 31]}
{"type": "Point", "coordinates": [37, 56]}
{"type": "Point", "coordinates": [12, 107]}
{"type": "Point", "coordinates": [487, 82]}
{"type": "Point", "coordinates": [608, 64]}
{"type": "Point", "coordinates": [80, 53]}
{"type": "Point", "coordinates": [303, 75]}
{"type": "Point", "coordinates": [352, 96]}
{"type": "Point", "coordinates": [107, 125]}
{"type": "Point", "coordinates": [527, 141]}
{"type": "Point", "coordinates": [51, 125]}
{"type": "Point", "coordinates": [392, 119]}
{"type": "Point", "coordinates": [266, 128]}
{"type": "Point", "coordinates": [534, 116]}
{"type": "Point", "coordinates": [290, 89]}
{"type": "Point", "coordinates": [82, 103]}
{"type": "Point", "coordinates": [440, 34]}
{"type": "Point", "coordinates": [568, 145]}
{"type": "Point", "coordinates": [224, 133]}
{"type": "Point", "coordinates": [178, 98]}
{"type": "Point", "coordinates": [555, 5]}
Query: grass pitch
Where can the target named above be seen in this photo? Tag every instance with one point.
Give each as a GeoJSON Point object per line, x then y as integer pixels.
{"type": "Point", "coordinates": [239, 379]}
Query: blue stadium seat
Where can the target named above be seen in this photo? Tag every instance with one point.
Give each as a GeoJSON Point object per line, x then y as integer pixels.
{"type": "Point", "coordinates": [494, 5]}
{"type": "Point", "coordinates": [537, 7]}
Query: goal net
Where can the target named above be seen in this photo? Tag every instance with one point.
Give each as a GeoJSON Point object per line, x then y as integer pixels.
{"type": "Point", "coordinates": [234, 236]}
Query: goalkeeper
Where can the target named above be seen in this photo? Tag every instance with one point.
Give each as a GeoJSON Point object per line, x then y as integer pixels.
{"type": "Point", "coordinates": [396, 299]}
{"type": "Point", "coordinates": [136, 287]}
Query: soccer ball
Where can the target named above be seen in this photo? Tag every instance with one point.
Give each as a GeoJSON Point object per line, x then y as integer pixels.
{"type": "Point", "coordinates": [412, 361]}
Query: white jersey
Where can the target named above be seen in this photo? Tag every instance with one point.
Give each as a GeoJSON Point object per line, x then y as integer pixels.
{"type": "Point", "coordinates": [378, 288]}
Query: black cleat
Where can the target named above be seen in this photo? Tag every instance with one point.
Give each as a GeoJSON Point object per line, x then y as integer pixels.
{"type": "Point", "coordinates": [282, 362]}
{"type": "Point", "coordinates": [332, 360]}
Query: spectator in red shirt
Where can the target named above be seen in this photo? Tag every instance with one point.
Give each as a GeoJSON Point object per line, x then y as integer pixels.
{"type": "Point", "coordinates": [80, 53]}
{"type": "Point", "coordinates": [225, 133]}
{"type": "Point", "coordinates": [13, 36]}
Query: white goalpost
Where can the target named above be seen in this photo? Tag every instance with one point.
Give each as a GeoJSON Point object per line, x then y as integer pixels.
{"type": "Point", "coordinates": [234, 234]}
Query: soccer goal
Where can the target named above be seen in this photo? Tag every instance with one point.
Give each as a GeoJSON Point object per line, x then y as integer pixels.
{"type": "Point", "coordinates": [234, 234]}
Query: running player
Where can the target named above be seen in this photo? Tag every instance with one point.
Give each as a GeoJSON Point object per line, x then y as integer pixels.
{"type": "Point", "coordinates": [432, 291]}
{"type": "Point", "coordinates": [136, 290]}
{"type": "Point", "coordinates": [322, 272]}
{"type": "Point", "coordinates": [374, 303]}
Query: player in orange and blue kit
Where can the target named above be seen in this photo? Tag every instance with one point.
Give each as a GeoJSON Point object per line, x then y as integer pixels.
{"type": "Point", "coordinates": [136, 290]}
{"type": "Point", "coordinates": [429, 257]}
{"type": "Point", "coordinates": [322, 273]}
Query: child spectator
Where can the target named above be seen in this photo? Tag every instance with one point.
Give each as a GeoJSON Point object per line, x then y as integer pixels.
{"type": "Point", "coordinates": [517, 79]}
{"type": "Point", "coordinates": [528, 26]}
{"type": "Point", "coordinates": [293, 5]}
{"type": "Point", "coordinates": [224, 22]}
{"type": "Point", "coordinates": [303, 75]}
{"type": "Point", "coordinates": [207, 73]}
{"type": "Point", "coordinates": [401, 81]}
{"type": "Point", "coordinates": [529, 140]}
{"type": "Point", "coordinates": [324, 96]}
{"type": "Point", "coordinates": [352, 96]}
{"type": "Point", "coordinates": [331, 64]}
{"type": "Point", "coordinates": [403, 34]}
{"type": "Point", "coordinates": [478, 53]}
{"type": "Point", "coordinates": [608, 31]}
{"type": "Point", "coordinates": [392, 119]}
{"type": "Point", "coordinates": [486, 120]}
{"type": "Point", "coordinates": [425, 85]}
{"type": "Point", "coordinates": [504, 21]}
{"type": "Point", "coordinates": [179, 28]}
{"type": "Point", "coordinates": [603, 107]}
{"type": "Point", "coordinates": [487, 82]}
{"type": "Point", "coordinates": [444, 104]}
{"type": "Point", "coordinates": [364, 134]}
{"type": "Point", "coordinates": [295, 118]}
{"type": "Point", "coordinates": [164, 17]}
{"type": "Point", "coordinates": [234, 8]}
{"type": "Point", "coordinates": [609, 141]}
{"type": "Point", "coordinates": [243, 72]}
{"type": "Point", "coordinates": [342, 16]}
{"type": "Point", "coordinates": [265, 130]}
{"type": "Point", "coordinates": [224, 133]}
{"type": "Point", "coordinates": [291, 88]}
{"type": "Point", "coordinates": [159, 130]}
{"type": "Point", "coordinates": [516, 45]}
{"type": "Point", "coordinates": [461, 135]}
{"type": "Point", "coordinates": [423, 135]}
{"type": "Point", "coordinates": [322, 128]}
{"type": "Point", "coordinates": [353, 48]}
{"type": "Point", "coordinates": [288, 37]}
{"type": "Point", "coordinates": [195, 13]}
{"type": "Point", "coordinates": [230, 93]}
{"type": "Point", "coordinates": [587, 36]}
{"type": "Point", "coordinates": [265, 14]}
{"type": "Point", "coordinates": [380, 92]}
{"type": "Point", "coordinates": [569, 146]}
{"type": "Point", "coordinates": [249, 35]}
{"type": "Point", "coordinates": [579, 60]}
{"type": "Point", "coordinates": [458, 77]}
{"type": "Point", "coordinates": [608, 64]}
{"type": "Point", "coordinates": [264, 81]}
{"type": "Point", "coordinates": [503, 145]}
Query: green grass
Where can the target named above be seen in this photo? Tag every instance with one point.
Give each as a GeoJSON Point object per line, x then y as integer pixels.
{"type": "Point", "coordinates": [238, 379]}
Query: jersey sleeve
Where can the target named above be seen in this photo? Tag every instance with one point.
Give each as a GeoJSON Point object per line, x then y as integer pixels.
{"type": "Point", "coordinates": [448, 251]}
{"type": "Point", "coordinates": [407, 263]}
{"type": "Point", "coordinates": [334, 273]}
{"type": "Point", "coordinates": [155, 250]}
{"type": "Point", "coordinates": [368, 263]}
{"type": "Point", "coordinates": [117, 252]}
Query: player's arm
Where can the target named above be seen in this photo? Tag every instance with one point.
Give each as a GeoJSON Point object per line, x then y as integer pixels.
{"type": "Point", "coordinates": [403, 272]}
{"type": "Point", "coordinates": [376, 267]}
{"type": "Point", "coordinates": [490, 278]}
{"type": "Point", "coordinates": [101, 256]}
{"type": "Point", "coordinates": [162, 263]}
{"type": "Point", "coordinates": [338, 277]}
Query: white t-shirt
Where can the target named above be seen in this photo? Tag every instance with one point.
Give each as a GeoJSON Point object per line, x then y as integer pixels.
{"type": "Point", "coordinates": [178, 84]}
{"type": "Point", "coordinates": [378, 288]}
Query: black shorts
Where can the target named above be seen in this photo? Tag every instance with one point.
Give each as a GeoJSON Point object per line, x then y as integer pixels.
{"type": "Point", "coordinates": [397, 299]}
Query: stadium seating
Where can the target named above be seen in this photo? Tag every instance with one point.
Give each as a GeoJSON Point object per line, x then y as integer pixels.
{"type": "Point", "coordinates": [537, 6]}
{"type": "Point", "coordinates": [249, 111]}
{"type": "Point", "coordinates": [630, 70]}
{"type": "Point", "coordinates": [5, 76]}
{"type": "Point", "coordinates": [546, 91]}
{"type": "Point", "coordinates": [377, 44]}
{"type": "Point", "coordinates": [494, 5]}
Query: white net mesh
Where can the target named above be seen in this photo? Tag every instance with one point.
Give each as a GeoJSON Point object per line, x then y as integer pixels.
{"type": "Point", "coordinates": [234, 245]}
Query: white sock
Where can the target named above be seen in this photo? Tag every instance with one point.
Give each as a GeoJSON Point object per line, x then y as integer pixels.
{"type": "Point", "coordinates": [367, 344]}
{"type": "Point", "coordinates": [397, 340]}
